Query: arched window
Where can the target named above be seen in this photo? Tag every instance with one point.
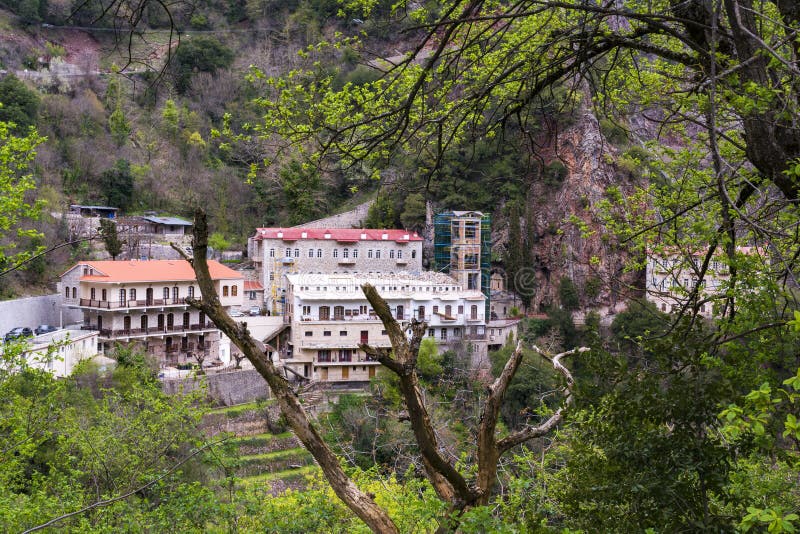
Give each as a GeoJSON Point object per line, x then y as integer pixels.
{"type": "Point", "coordinates": [336, 253]}
{"type": "Point", "coordinates": [66, 292]}
{"type": "Point", "coordinates": [297, 253]}
{"type": "Point", "coordinates": [74, 292]}
{"type": "Point", "coordinates": [122, 297]}
{"type": "Point", "coordinates": [170, 321]}
{"type": "Point", "coordinates": [143, 323]}
{"type": "Point", "coordinates": [311, 253]}
{"type": "Point", "coordinates": [234, 291]}
{"type": "Point", "coordinates": [190, 292]}
{"type": "Point", "coordinates": [319, 252]}
{"type": "Point", "coordinates": [474, 312]}
{"type": "Point", "coordinates": [133, 294]}
{"type": "Point", "coordinates": [355, 253]}
{"type": "Point", "coordinates": [104, 295]}
{"type": "Point", "coordinates": [224, 291]}
{"type": "Point", "coordinates": [166, 294]}
{"type": "Point", "coordinates": [346, 253]}
{"type": "Point", "coordinates": [175, 293]}
{"type": "Point", "coordinates": [92, 293]}
{"type": "Point", "coordinates": [391, 254]}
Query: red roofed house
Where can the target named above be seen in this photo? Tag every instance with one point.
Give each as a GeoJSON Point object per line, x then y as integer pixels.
{"type": "Point", "coordinates": [142, 302]}
{"type": "Point", "coordinates": [280, 251]}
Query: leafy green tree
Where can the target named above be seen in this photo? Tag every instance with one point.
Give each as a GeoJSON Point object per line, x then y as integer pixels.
{"type": "Point", "coordinates": [111, 240]}
{"type": "Point", "coordinates": [200, 53]}
{"type": "Point", "coordinates": [119, 126]}
{"type": "Point", "coordinates": [381, 213]}
{"type": "Point", "coordinates": [301, 186]}
{"type": "Point", "coordinates": [20, 105]}
{"type": "Point", "coordinates": [218, 242]}
{"type": "Point", "coordinates": [640, 321]}
{"type": "Point", "coordinates": [116, 185]}
{"type": "Point", "coordinates": [568, 294]}
{"type": "Point", "coordinates": [414, 212]}
{"type": "Point", "coordinates": [16, 185]}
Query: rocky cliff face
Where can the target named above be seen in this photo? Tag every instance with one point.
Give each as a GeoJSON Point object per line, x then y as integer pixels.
{"type": "Point", "coordinates": [584, 252]}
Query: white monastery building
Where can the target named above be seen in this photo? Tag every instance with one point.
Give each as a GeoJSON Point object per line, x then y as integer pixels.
{"type": "Point", "coordinates": [281, 251]}
{"type": "Point", "coordinates": [142, 302]}
{"type": "Point", "coordinates": [330, 317]}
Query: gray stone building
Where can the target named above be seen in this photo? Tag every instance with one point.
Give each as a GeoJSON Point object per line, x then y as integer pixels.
{"type": "Point", "coordinates": [277, 252]}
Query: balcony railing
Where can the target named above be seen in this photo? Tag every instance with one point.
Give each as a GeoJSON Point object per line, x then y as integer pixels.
{"type": "Point", "coordinates": [136, 303]}
{"type": "Point", "coordinates": [137, 332]}
{"type": "Point", "coordinates": [358, 318]}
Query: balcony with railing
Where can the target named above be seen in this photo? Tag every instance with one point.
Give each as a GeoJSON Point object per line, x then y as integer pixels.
{"type": "Point", "coordinates": [125, 304]}
{"type": "Point", "coordinates": [110, 333]}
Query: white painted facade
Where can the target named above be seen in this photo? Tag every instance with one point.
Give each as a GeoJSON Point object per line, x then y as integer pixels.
{"type": "Point", "coordinates": [60, 351]}
{"type": "Point", "coordinates": [330, 317]}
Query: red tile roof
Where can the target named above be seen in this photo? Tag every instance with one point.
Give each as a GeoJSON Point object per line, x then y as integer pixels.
{"type": "Point", "coordinates": [251, 285]}
{"type": "Point", "coordinates": [152, 271]}
{"type": "Point", "coordinates": [342, 235]}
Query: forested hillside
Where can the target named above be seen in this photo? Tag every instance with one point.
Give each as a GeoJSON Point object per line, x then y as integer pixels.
{"type": "Point", "coordinates": [604, 138]}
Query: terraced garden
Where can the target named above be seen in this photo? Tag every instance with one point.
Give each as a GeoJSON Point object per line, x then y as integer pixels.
{"type": "Point", "coordinates": [269, 454]}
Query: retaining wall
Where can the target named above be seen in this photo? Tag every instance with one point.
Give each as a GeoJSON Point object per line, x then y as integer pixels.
{"type": "Point", "coordinates": [226, 389]}
{"type": "Point", "coordinates": [33, 311]}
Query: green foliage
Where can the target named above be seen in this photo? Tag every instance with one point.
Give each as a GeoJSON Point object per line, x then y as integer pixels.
{"type": "Point", "coordinates": [614, 132]}
{"type": "Point", "coordinates": [200, 53]}
{"type": "Point", "coordinates": [381, 213]}
{"type": "Point", "coordinates": [429, 361]}
{"type": "Point", "coordinates": [568, 294]}
{"type": "Point", "coordinates": [16, 186]}
{"type": "Point", "coordinates": [119, 126]}
{"type": "Point", "coordinates": [301, 186]}
{"type": "Point", "coordinates": [414, 211]}
{"type": "Point", "coordinates": [640, 321]}
{"type": "Point", "coordinates": [20, 105]}
{"type": "Point", "coordinates": [218, 242]}
{"type": "Point", "coordinates": [111, 240]}
{"type": "Point", "coordinates": [554, 174]}
{"type": "Point", "coordinates": [116, 185]}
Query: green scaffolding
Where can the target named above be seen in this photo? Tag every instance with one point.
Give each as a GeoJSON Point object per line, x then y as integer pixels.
{"type": "Point", "coordinates": [443, 245]}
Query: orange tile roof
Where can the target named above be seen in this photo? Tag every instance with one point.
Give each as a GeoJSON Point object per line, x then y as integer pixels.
{"type": "Point", "coordinates": [250, 285]}
{"type": "Point", "coordinates": [152, 271]}
{"type": "Point", "coordinates": [344, 235]}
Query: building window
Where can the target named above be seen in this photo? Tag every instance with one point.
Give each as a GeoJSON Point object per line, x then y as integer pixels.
{"type": "Point", "coordinates": [288, 253]}
{"type": "Point", "coordinates": [369, 253]}
{"type": "Point", "coordinates": [435, 309]}
{"type": "Point", "coordinates": [324, 313]}
{"type": "Point", "coordinates": [336, 253]}
{"type": "Point", "coordinates": [175, 293]}
{"type": "Point", "coordinates": [306, 310]}
{"type": "Point", "coordinates": [311, 253]}
{"type": "Point", "coordinates": [448, 310]}
{"type": "Point", "coordinates": [343, 333]}
{"type": "Point", "coordinates": [224, 291]}
{"type": "Point", "coordinates": [74, 292]}
{"type": "Point", "coordinates": [399, 254]}
{"type": "Point", "coordinates": [272, 253]}
{"type": "Point", "coordinates": [271, 276]}
{"type": "Point", "coordinates": [326, 333]}
{"type": "Point", "coordinates": [377, 254]}
{"type": "Point", "coordinates": [234, 291]}
{"type": "Point", "coordinates": [165, 293]}
{"type": "Point", "coordinates": [190, 292]}
{"type": "Point", "coordinates": [460, 309]}
{"type": "Point", "coordinates": [431, 332]}
{"type": "Point", "coordinates": [66, 292]}
{"type": "Point", "coordinates": [103, 294]}
{"type": "Point", "coordinates": [413, 254]}
{"type": "Point", "coordinates": [133, 294]}
{"type": "Point", "coordinates": [319, 252]}
{"type": "Point", "coordinates": [400, 313]}
{"type": "Point", "coordinates": [297, 253]}
{"type": "Point", "coordinates": [443, 334]}
{"type": "Point", "coordinates": [345, 355]}
{"type": "Point", "coordinates": [355, 253]}
{"type": "Point", "coordinates": [308, 333]}
{"type": "Point", "coordinates": [391, 254]}
{"type": "Point", "coordinates": [92, 293]}
{"type": "Point", "coordinates": [346, 253]}
{"type": "Point", "coordinates": [474, 312]}
{"type": "Point", "coordinates": [122, 297]}
{"type": "Point", "coordinates": [456, 333]}
{"type": "Point", "coordinates": [323, 355]}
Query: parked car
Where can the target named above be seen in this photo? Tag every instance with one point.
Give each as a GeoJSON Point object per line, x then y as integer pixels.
{"type": "Point", "coordinates": [18, 332]}
{"type": "Point", "coordinates": [44, 329]}
{"type": "Point", "coordinates": [255, 310]}
{"type": "Point", "coordinates": [237, 313]}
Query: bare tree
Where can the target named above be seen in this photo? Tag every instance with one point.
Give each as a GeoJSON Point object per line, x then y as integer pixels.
{"type": "Point", "coordinates": [453, 487]}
